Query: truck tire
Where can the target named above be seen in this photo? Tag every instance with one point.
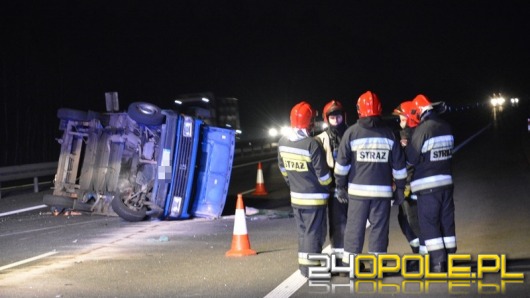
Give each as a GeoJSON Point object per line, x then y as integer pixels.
{"type": "Point", "coordinates": [146, 113]}
{"type": "Point", "coordinates": [71, 114]}
{"type": "Point", "coordinates": [129, 214]}
{"type": "Point", "coordinates": [58, 201]}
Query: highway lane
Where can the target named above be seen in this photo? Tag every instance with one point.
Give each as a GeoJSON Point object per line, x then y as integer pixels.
{"type": "Point", "coordinates": [105, 256]}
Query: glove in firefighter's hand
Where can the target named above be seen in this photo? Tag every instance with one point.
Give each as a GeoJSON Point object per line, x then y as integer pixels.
{"type": "Point", "coordinates": [341, 195]}
{"type": "Point", "coordinates": [399, 197]}
{"type": "Point", "coordinates": [407, 191]}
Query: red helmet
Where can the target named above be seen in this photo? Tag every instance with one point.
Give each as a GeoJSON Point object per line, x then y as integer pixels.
{"type": "Point", "coordinates": [421, 104]}
{"type": "Point", "coordinates": [368, 105]}
{"type": "Point", "coordinates": [302, 115]}
{"type": "Point", "coordinates": [405, 109]}
{"type": "Point", "coordinates": [331, 107]}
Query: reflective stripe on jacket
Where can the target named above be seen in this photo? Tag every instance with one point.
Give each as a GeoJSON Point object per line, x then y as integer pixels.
{"type": "Point", "coordinates": [325, 141]}
{"type": "Point", "coordinates": [303, 165]}
{"type": "Point", "coordinates": [430, 152]}
{"type": "Point", "coordinates": [369, 160]}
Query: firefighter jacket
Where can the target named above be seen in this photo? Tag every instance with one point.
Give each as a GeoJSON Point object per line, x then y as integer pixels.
{"type": "Point", "coordinates": [301, 160]}
{"type": "Point", "coordinates": [323, 138]}
{"type": "Point", "coordinates": [370, 158]}
{"type": "Point", "coordinates": [330, 140]}
{"type": "Point", "coordinates": [405, 135]}
{"type": "Point", "coordinates": [430, 151]}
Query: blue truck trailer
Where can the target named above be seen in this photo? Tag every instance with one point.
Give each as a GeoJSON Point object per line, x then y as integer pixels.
{"type": "Point", "coordinates": [144, 163]}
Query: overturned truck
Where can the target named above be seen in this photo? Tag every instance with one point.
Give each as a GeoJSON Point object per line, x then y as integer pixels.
{"type": "Point", "coordinates": [144, 163]}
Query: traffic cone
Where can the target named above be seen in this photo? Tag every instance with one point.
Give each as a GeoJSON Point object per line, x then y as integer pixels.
{"type": "Point", "coordinates": [240, 242]}
{"type": "Point", "coordinates": [260, 184]}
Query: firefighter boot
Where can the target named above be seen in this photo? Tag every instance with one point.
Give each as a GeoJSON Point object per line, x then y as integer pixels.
{"type": "Point", "coordinates": [438, 261]}
{"type": "Point", "coordinates": [414, 265]}
{"type": "Point", "coordinates": [304, 270]}
{"type": "Point", "coordinates": [439, 267]}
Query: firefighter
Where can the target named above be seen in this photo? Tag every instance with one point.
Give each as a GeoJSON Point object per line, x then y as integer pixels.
{"type": "Point", "coordinates": [369, 159]}
{"type": "Point", "coordinates": [302, 162]}
{"type": "Point", "coordinates": [335, 117]}
{"type": "Point", "coordinates": [430, 152]}
{"type": "Point", "coordinates": [408, 210]}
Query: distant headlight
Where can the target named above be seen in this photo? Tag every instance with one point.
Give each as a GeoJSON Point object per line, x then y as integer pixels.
{"type": "Point", "coordinates": [273, 132]}
{"type": "Point", "coordinates": [494, 101]}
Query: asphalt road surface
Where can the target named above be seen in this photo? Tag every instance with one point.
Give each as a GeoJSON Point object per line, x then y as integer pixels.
{"type": "Point", "coordinates": [87, 255]}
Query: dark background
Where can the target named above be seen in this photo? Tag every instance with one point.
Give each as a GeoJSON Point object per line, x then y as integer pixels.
{"type": "Point", "coordinates": [268, 54]}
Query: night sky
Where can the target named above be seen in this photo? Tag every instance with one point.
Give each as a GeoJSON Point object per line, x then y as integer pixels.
{"type": "Point", "coordinates": [268, 54]}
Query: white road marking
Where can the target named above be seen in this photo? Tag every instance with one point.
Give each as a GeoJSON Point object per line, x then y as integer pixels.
{"type": "Point", "coordinates": [288, 286]}
{"type": "Point", "coordinates": [247, 191]}
{"type": "Point", "coordinates": [294, 282]}
{"type": "Point", "coordinates": [23, 210]}
{"type": "Point", "coordinates": [52, 227]}
{"type": "Point", "coordinates": [28, 260]}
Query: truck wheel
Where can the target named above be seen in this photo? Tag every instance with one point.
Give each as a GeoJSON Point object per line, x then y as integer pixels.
{"type": "Point", "coordinates": [146, 113]}
{"type": "Point", "coordinates": [58, 201]}
{"type": "Point", "coordinates": [131, 213]}
{"type": "Point", "coordinates": [71, 114]}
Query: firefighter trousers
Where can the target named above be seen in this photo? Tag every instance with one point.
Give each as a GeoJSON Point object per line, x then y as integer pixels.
{"type": "Point", "coordinates": [436, 214]}
{"type": "Point", "coordinates": [311, 225]}
{"type": "Point", "coordinates": [337, 213]}
{"type": "Point", "coordinates": [377, 211]}
{"type": "Point", "coordinates": [409, 224]}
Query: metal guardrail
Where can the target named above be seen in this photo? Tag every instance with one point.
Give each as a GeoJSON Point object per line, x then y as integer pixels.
{"type": "Point", "coordinates": [20, 172]}
{"type": "Point", "coordinates": [244, 150]}
{"type": "Point", "coordinates": [253, 147]}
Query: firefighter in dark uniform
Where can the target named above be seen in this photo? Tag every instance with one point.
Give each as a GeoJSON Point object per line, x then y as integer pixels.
{"type": "Point", "coordinates": [430, 152]}
{"type": "Point", "coordinates": [335, 117]}
{"type": "Point", "coordinates": [408, 210]}
{"type": "Point", "coordinates": [302, 162]}
{"type": "Point", "coordinates": [370, 158]}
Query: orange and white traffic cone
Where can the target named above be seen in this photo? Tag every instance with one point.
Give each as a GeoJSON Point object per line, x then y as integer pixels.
{"type": "Point", "coordinates": [240, 241]}
{"type": "Point", "coordinates": [260, 184]}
